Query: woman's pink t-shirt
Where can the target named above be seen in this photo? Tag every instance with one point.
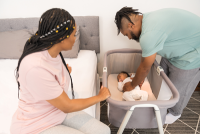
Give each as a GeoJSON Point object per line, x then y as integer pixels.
{"type": "Point", "coordinates": [41, 78]}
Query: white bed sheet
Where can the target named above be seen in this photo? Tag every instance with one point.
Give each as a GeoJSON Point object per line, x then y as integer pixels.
{"type": "Point", "coordinates": [83, 75]}
{"type": "Point", "coordinates": [84, 70]}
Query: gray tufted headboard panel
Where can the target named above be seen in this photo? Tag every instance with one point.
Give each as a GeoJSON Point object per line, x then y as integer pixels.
{"type": "Point", "coordinates": [88, 25]}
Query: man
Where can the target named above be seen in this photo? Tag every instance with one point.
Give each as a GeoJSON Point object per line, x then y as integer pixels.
{"type": "Point", "coordinates": [175, 35]}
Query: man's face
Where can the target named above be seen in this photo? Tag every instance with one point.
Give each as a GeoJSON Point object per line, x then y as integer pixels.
{"type": "Point", "coordinates": [130, 34]}
{"type": "Point", "coordinates": [134, 37]}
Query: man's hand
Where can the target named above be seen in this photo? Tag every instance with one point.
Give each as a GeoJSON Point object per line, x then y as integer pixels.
{"type": "Point", "coordinates": [127, 87]}
{"type": "Point", "coordinates": [140, 85]}
{"type": "Point", "coordinates": [69, 68]}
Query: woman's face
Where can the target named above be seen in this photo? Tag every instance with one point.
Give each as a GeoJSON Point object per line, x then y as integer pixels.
{"type": "Point", "coordinates": [68, 43]}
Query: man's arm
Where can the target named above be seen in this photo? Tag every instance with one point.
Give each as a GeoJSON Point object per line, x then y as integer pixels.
{"type": "Point", "coordinates": [141, 72]}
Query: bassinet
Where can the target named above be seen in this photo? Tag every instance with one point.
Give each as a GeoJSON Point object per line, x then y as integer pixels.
{"type": "Point", "coordinates": [139, 114]}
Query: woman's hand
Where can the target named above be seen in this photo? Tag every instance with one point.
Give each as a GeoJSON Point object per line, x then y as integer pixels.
{"type": "Point", "coordinates": [104, 93]}
{"type": "Point", "coordinates": [69, 68]}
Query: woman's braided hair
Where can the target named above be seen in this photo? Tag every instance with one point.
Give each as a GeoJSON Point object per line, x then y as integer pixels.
{"type": "Point", "coordinates": [51, 30]}
{"type": "Point", "coordinates": [124, 12]}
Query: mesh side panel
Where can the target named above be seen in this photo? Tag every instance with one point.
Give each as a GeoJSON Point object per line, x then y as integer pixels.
{"type": "Point", "coordinates": [118, 62]}
{"type": "Point", "coordinates": [155, 81]}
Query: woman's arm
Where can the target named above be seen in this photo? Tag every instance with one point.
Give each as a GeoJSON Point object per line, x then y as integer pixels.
{"type": "Point", "coordinates": [65, 104]}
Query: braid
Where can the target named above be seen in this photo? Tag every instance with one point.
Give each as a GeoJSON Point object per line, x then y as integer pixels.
{"type": "Point", "coordinates": [69, 74]}
{"type": "Point", "coordinates": [124, 12]}
{"type": "Point", "coordinates": [48, 21]}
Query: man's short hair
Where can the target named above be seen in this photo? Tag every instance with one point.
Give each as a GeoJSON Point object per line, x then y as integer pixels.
{"type": "Point", "coordinates": [124, 12]}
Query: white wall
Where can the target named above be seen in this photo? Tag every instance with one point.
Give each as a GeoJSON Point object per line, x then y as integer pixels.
{"type": "Point", "coordinates": [105, 9]}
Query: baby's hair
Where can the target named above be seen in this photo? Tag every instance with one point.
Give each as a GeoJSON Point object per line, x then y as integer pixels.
{"type": "Point", "coordinates": [123, 72]}
{"type": "Point", "coordinates": [59, 24]}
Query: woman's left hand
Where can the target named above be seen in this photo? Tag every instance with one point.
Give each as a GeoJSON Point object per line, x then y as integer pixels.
{"type": "Point", "coordinates": [69, 68]}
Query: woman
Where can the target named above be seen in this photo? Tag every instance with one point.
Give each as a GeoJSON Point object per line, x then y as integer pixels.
{"type": "Point", "coordinates": [43, 79]}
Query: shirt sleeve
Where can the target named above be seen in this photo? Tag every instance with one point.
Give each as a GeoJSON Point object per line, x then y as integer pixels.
{"type": "Point", "coordinates": [120, 86]}
{"type": "Point", "coordinates": [42, 84]}
{"type": "Point", "coordinates": [152, 42]}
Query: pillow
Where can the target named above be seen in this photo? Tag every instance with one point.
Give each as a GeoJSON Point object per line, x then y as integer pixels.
{"type": "Point", "coordinates": [75, 49]}
{"type": "Point", "coordinates": [12, 43]}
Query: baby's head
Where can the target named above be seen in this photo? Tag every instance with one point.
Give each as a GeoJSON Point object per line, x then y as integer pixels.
{"type": "Point", "coordinates": [122, 76]}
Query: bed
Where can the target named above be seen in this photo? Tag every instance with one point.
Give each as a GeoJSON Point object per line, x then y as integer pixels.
{"type": "Point", "coordinates": [83, 66]}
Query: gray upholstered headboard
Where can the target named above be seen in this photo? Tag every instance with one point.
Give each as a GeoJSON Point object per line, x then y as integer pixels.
{"type": "Point", "coordinates": [88, 25]}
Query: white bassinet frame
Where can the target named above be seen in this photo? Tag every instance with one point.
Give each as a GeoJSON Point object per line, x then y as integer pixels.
{"type": "Point", "coordinates": [129, 113]}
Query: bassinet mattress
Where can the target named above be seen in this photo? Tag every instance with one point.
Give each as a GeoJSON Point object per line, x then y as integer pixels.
{"type": "Point", "coordinates": [83, 75]}
{"type": "Point", "coordinates": [117, 95]}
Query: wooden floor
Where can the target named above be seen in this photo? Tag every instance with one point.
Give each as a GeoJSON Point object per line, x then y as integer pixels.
{"type": "Point", "coordinates": [198, 87]}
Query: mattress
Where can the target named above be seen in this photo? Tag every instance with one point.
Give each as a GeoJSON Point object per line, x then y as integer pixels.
{"type": "Point", "coordinates": [117, 95]}
{"type": "Point", "coordinates": [84, 80]}
{"type": "Point", "coordinates": [84, 70]}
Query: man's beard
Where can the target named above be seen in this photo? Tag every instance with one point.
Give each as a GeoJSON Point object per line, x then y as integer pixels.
{"type": "Point", "coordinates": [134, 37]}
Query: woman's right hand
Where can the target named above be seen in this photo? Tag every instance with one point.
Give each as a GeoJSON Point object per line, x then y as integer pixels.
{"type": "Point", "coordinates": [104, 93]}
{"type": "Point", "coordinates": [69, 68]}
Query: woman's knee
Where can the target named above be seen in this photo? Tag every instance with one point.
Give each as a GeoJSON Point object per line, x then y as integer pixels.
{"type": "Point", "coordinates": [100, 128]}
{"type": "Point", "coordinates": [106, 129]}
{"type": "Point", "coordinates": [86, 123]}
{"type": "Point", "coordinates": [61, 129]}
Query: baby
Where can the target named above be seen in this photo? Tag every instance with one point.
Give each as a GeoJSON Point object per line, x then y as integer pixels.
{"type": "Point", "coordinates": [136, 93]}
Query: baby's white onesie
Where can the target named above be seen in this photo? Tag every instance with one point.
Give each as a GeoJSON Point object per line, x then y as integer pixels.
{"type": "Point", "coordinates": [135, 94]}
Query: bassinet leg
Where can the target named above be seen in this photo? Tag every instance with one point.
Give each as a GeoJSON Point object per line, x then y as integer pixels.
{"type": "Point", "coordinates": [159, 121]}
{"type": "Point", "coordinates": [129, 113]}
{"type": "Point", "coordinates": [124, 122]}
